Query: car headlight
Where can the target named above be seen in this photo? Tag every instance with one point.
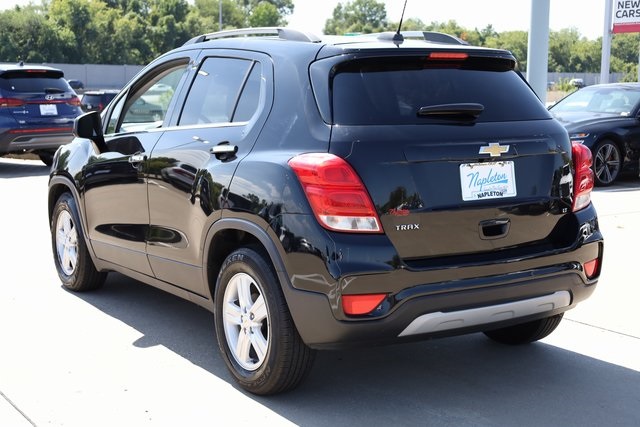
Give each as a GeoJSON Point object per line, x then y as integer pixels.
{"type": "Point", "coordinates": [578, 137]}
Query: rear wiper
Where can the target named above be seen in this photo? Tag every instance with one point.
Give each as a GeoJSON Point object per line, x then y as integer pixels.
{"type": "Point", "coordinates": [462, 111]}
{"type": "Point", "coordinates": [53, 90]}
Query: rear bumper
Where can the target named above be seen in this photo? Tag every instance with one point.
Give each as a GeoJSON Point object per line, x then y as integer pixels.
{"type": "Point", "coordinates": [450, 307]}
{"type": "Point", "coordinates": [441, 301]}
{"type": "Point", "coordinates": [12, 141]}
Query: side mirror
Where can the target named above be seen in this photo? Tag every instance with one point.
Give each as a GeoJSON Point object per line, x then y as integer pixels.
{"type": "Point", "coordinates": [89, 126]}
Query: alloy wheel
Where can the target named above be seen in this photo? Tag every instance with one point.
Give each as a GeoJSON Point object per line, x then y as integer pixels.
{"type": "Point", "coordinates": [246, 321]}
{"type": "Point", "coordinates": [66, 243]}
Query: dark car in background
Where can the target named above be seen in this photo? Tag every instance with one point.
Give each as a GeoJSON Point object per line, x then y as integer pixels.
{"type": "Point", "coordinates": [37, 110]}
{"type": "Point", "coordinates": [96, 100]}
{"type": "Point", "coordinates": [321, 194]}
{"type": "Point", "coordinates": [605, 118]}
{"type": "Point", "coordinates": [76, 84]}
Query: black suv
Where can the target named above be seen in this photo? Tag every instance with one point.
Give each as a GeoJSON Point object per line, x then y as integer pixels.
{"type": "Point", "coordinates": [317, 194]}
{"type": "Point", "coordinates": [97, 100]}
{"type": "Point", "coordinates": [37, 110]}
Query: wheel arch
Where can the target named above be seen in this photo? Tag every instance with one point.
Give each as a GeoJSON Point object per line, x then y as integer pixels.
{"type": "Point", "coordinates": [229, 234]}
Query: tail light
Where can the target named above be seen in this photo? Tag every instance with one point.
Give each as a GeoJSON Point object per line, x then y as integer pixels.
{"type": "Point", "coordinates": [11, 102]}
{"type": "Point", "coordinates": [74, 101]}
{"type": "Point", "coordinates": [336, 194]}
{"type": "Point", "coordinates": [582, 176]}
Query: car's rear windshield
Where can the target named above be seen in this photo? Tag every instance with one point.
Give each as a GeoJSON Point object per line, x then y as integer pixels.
{"type": "Point", "coordinates": [392, 91]}
{"type": "Point", "coordinates": [24, 82]}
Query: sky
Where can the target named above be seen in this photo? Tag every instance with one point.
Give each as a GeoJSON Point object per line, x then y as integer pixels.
{"type": "Point", "coordinates": [587, 16]}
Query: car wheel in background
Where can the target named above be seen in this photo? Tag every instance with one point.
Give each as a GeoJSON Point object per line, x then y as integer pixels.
{"type": "Point", "coordinates": [46, 157]}
{"type": "Point", "coordinates": [525, 333]}
{"type": "Point", "coordinates": [73, 262]}
{"type": "Point", "coordinates": [607, 162]}
{"type": "Point", "coordinates": [256, 334]}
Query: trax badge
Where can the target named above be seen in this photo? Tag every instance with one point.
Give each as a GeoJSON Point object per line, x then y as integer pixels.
{"type": "Point", "coordinates": [494, 149]}
{"type": "Point", "coordinates": [407, 227]}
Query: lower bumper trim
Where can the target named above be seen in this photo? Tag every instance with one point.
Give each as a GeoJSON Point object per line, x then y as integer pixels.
{"type": "Point", "coordinates": [443, 321]}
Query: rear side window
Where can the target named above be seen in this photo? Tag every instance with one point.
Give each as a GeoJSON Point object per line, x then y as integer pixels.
{"type": "Point", "coordinates": [33, 83]}
{"type": "Point", "coordinates": [392, 91]}
{"type": "Point", "coordinates": [225, 90]}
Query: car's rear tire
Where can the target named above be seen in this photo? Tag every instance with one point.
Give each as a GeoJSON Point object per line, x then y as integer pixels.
{"type": "Point", "coordinates": [607, 162]}
{"type": "Point", "coordinates": [73, 262]}
{"type": "Point", "coordinates": [256, 334]}
{"type": "Point", "coordinates": [525, 333]}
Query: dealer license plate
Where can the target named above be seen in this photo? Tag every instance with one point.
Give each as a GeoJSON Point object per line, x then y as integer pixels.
{"type": "Point", "coordinates": [492, 180]}
{"type": "Point", "coordinates": [48, 110]}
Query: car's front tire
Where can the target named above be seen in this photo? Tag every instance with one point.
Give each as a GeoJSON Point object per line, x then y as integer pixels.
{"type": "Point", "coordinates": [256, 334]}
{"type": "Point", "coordinates": [607, 162]}
{"type": "Point", "coordinates": [73, 262]}
{"type": "Point", "coordinates": [525, 333]}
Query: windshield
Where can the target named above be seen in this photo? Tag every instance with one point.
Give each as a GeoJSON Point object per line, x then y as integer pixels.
{"type": "Point", "coordinates": [609, 100]}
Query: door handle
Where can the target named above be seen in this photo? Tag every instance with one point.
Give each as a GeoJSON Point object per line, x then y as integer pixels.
{"type": "Point", "coordinates": [224, 151]}
{"type": "Point", "coordinates": [137, 158]}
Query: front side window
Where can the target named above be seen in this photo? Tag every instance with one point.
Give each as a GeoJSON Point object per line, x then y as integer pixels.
{"type": "Point", "coordinates": [147, 107]}
{"type": "Point", "coordinates": [225, 90]}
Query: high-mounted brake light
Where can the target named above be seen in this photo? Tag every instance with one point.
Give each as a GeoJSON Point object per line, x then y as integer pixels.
{"type": "Point", "coordinates": [11, 102]}
{"type": "Point", "coordinates": [582, 176]}
{"type": "Point", "coordinates": [461, 56]}
{"type": "Point", "coordinates": [336, 194]}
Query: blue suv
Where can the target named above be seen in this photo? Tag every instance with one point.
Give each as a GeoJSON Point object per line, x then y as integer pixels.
{"type": "Point", "coordinates": [37, 109]}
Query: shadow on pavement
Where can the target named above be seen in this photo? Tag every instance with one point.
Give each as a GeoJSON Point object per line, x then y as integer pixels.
{"type": "Point", "coordinates": [462, 381]}
{"type": "Point", "coordinates": [15, 168]}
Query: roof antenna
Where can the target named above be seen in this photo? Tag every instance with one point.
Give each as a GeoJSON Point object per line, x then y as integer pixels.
{"type": "Point", "coordinates": [398, 37]}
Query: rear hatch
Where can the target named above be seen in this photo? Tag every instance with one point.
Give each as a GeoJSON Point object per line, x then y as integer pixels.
{"type": "Point", "coordinates": [37, 97]}
{"type": "Point", "coordinates": [459, 156]}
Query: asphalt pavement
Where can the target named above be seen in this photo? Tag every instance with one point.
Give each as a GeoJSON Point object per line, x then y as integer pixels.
{"type": "Point", "coordinates": [131, 355]}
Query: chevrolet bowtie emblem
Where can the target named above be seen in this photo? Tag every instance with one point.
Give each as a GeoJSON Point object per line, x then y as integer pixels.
{"type": "Point", "coordinates": [494, 149]}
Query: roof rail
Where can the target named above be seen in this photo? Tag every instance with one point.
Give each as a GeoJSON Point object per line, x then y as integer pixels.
{"type": "Point", "coordinates": [430, 36]}
{"type": "Point", "coordinates": [280, 32]}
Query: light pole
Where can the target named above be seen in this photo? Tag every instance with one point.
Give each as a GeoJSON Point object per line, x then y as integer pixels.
{"type": "Point", "coordinates": [606, 42]}
{"type": "Point", "coordinates": [538, 56]}
{"type": "Point", "coordinates": [219, 15]}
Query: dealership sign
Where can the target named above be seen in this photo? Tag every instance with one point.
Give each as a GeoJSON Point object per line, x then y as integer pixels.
{"type": "Point", "coordinates": [626, 16]}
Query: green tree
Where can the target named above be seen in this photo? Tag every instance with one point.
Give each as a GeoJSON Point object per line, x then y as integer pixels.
{"type": "Point", "coordinates": [357, 16]}
{"type": "Point", "coordinates": [514, 41]}
{"type": "Point", "coordinates": [265, 14]}
{"type": "Point", "coordinates": [26, 34]}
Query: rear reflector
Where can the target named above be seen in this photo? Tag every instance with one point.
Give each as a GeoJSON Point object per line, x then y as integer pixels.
{"type": "Point", "coordinates": [336, 194]}
{"type": "Point", "coordinates": [354, 305]}
{"type": "Point", "coordinates": [582, 176]}
{"type": "Point", "coordinates": [591, 268]}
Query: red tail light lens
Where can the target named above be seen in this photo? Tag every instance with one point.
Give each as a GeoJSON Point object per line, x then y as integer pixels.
{"type": "Point", "coordinates": [582, 176]}
{"type": "Point", "coordinates": [447, 56]}
{"type": "Point", "coordinates": [75, 101]}
{"type": "Point", "coordinates": [337, 196]}
{"type": "Point", "coordinates": [11, 102]}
